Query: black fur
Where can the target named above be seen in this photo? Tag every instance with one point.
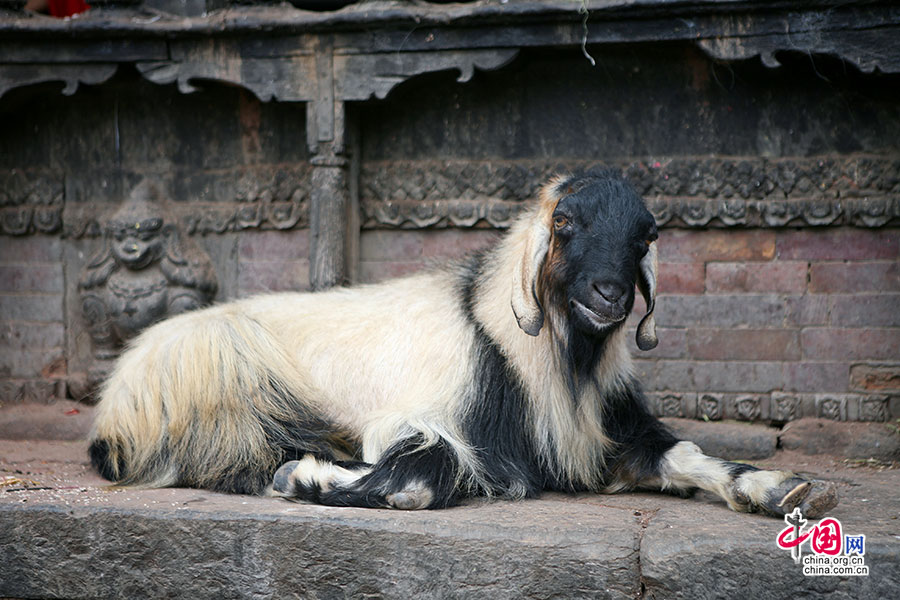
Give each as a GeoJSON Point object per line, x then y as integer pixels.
{"type": "Point", "coordinates": [496, 424]}
{"type": "Point", "coordinates": [640, 439]}
{"type": "Point", "coordinates": [738, 469]}
{"type": "Point", "coordinates": [407, 462]}
{"type": "Point", "coordinates": [99, 452]}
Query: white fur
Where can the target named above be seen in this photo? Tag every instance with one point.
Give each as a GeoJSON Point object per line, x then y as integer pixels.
{"type": "Point", "coordinates": [311, 472]}
{"type": "Point", "coordinates": [382, 362]}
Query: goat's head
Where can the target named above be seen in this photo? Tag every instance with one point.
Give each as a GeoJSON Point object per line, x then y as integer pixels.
{"type": "Point", "coordinates": [591, 241]}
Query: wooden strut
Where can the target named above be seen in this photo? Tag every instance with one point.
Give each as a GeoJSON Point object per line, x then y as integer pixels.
{"type": "Point", "coordinates": [329, 189]}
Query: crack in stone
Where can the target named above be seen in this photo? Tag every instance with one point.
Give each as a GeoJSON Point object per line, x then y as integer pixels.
{"type": "Point", "coordinates": [645, 518]}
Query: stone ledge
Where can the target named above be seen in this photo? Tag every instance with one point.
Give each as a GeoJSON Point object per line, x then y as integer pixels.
{"type": "Point", "coordinates": [880, 441]}
{"type": "Point", "coordinates": [72, 537]}
{"type": "Point", "coordinates": [728, 440]}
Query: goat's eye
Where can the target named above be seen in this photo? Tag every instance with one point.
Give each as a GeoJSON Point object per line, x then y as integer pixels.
{"type": "Point", "coordinates": [559, 222]}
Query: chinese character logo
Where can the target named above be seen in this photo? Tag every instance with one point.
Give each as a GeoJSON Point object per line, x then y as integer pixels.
{"type": "Point", "coordinates": [832, 552]}
{"type": "Point", "coordinates": [855, 544]}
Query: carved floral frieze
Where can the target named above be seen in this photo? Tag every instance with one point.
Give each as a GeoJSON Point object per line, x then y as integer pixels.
{"type": "Point", "coordinates": [683, 192]}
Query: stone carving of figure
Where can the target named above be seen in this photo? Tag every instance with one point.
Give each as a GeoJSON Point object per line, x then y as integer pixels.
{"type": "Point", "coordinates": [146, 271]}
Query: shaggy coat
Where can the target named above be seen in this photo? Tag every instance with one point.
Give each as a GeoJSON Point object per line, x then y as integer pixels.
{"type": "Point", "coordinates": [503, 374]}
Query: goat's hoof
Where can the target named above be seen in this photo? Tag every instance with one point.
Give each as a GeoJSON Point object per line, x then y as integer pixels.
{"type": "Point", "coordinates": [414, 496]}
{"type": "Point", "coordinates": [282, 482]}
{"type": "Point", "coordinates": [813, 498]}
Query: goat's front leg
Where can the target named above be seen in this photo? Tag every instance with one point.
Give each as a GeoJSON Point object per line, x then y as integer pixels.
{"type": "Point", "coordinates": [412, 474]}
{"type": "Point", "coordinates": [745, 488]}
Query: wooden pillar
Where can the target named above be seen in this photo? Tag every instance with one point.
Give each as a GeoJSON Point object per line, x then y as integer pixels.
{"type": "Point", "coordinates": [330, 199]}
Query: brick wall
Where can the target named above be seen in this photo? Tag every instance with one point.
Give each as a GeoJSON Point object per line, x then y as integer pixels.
{"type": "Point", "coordinates": [753, 324]}
{"type": "Point", "coordinates": [273, 261]}
{"type": "Point", "coordinates": [777, 324]}
{"type": "Point", "coordinates": [32, 328]}
{"type": "Point", "coordinates": [385, 254]}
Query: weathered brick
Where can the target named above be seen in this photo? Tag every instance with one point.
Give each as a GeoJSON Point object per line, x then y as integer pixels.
{"type": "Point", "coordinates": [451, 243]}
{"type": "Point", "coordinates": [679, 245]}
{"type": "Point", "coordinates": [752, 277]}
{"type": "Point", "coordinates": [760, 311]}
{"type": "Point", "coordinates": [30, 249]}
{"type": "Point", "coordinates": [672, 344]}
{"type": "Point", "coordinates": [865, 310]}
{"type": "Point", "coordinates": [821, 343]}
{"type": "Point", "coordinates": [273, 245]}
{"type": "Point", "coordinates": [32, 278]}
{"type": "Point", "coordinates": [809, 309]}
{"type": "Point", "coordinates": [257, 276]}
{"type": "Point", "coordinates": [816, 376]}
{"type": "Point", "coordinates": [839, 244]}
{"type": "Point", "coordinates": [875, 378]}
{"type": "Point", "coordinates": [31, 336]}
{"type": "Point", "coordinates": [743, 344]}
{"type": "Point", "coordinates": [46, 308]}
{"type": "Point", "coordinates": [682, 278]}
{"type": "Point", "coordinates": [854, 277]}
{"type": "Point", "coordinates": [375, 271]}
{"type": "Point", "coordinates": [715, 376]}
{"type": "Point", "coordinates": [645, 369]}
{"type": "Point", "coordinates": [384, 245]}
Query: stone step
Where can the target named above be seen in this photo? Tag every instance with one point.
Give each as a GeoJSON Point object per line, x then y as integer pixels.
{"type": "Point", "coordinates": [70, 536]}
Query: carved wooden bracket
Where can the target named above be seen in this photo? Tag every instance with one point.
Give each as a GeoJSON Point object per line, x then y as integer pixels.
{"type": "Point", "coordinates": [315, 71]}
{"type": "Point", "coordinates": [863, 47]}
{"type": "Point", "coordinates": [71, 74]}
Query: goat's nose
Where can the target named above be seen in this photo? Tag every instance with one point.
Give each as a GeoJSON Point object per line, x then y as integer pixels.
{"type": "Point", "coordinates": [611, 291]}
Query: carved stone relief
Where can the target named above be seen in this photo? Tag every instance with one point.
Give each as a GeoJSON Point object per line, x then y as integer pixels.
{"type": "Point", "coordinates": [748, 408]}
{"type": "Point", "coordinates": [833, 408]}
{"type": "Point", "coordinates": [785, 407]}
{"type": "Point", "coordinates": [683, 192]}
{"type": "Point", "coordinates": [670, 405]}
{"type": "Point", "coordinates": [873, 408]}
{"type": "Point", "coordinates": [146, 271]}
{"type": "Point", "coordinates": [709, 406]}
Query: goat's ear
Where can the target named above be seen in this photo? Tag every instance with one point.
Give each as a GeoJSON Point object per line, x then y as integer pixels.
{"type": "Point", "coordinates": [525, 305]}
{"type": "Point", "coordinates": [646, 331]}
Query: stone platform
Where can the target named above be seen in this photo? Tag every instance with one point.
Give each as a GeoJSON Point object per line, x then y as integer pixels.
{"type": "Point", "coordinates": [65, 534]}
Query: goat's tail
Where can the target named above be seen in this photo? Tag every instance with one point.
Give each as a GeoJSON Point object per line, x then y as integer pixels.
{"type": "Point", "coordinates": [208, 399]}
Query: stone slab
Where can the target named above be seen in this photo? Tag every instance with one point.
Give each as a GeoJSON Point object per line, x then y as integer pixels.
{"type": "Point", "coordinates": [77, 538]}
{"type": "Point", "coordinates": [728, 440]}
{"type": "Point", "coordinates": [59, 420]}
{"type": "Point", "coordinates": [692, 552]}
{"type": "Point", "coordinates": [72, 536]}
{"type": "Point", "coordinates": [880, 441]}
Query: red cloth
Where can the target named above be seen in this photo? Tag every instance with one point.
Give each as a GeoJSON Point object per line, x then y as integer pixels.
{"type": "Point", "coordinates": [66, 8]}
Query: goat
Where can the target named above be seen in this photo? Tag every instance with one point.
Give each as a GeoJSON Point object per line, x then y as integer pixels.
{"type": "Point", "coordinates": [503, 374]}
